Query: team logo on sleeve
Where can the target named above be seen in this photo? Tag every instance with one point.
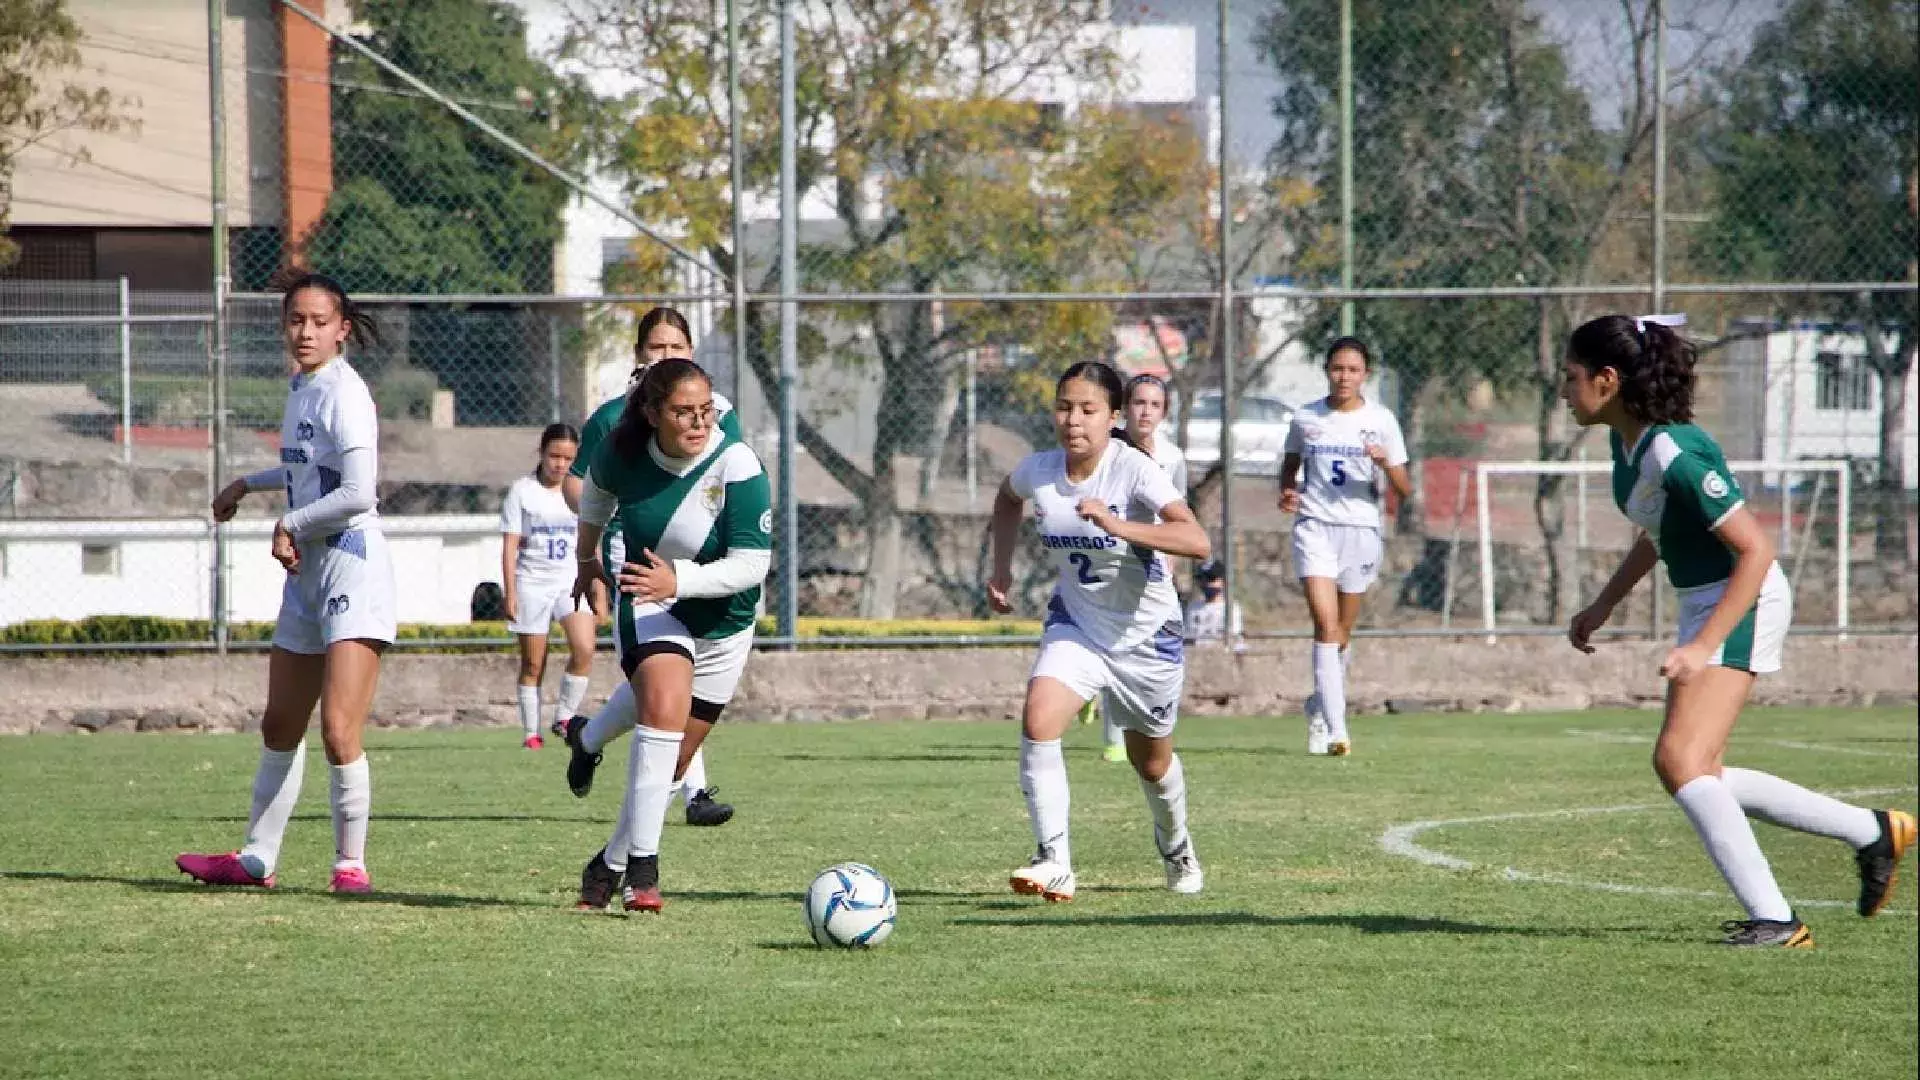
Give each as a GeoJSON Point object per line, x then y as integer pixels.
{"type": "Point", "coordinates": [304, 431]}
{"type": "Point", "coordinates": [1713, 485]}
{"type": "Point", "coordinates": [712, 496]}
{"type": "Point", "coordinates": [766, 521]}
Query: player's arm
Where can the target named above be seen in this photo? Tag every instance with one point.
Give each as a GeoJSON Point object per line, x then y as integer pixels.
{"type": "Point", "coordinates": [597, 506]}
{"type": "Point", "coordinates": [1641, 558]}
{"type": "Point", "coordinates": [1005, 530]}
{"type": "Point", "coordinates": [1290, 482]}
{"type": "Point", "coordinates": [1753, 555]}
{"type": "Point", "coordinates": [1390, 457]}
{"type": "Point", "coordinates": [746, 526]}
{"type": "Point", "coordinates": [570, 488]}
{"type": "Point", "coordinates": [228, 500]}
{"type": "Point", "coordinates": [1177, 532]}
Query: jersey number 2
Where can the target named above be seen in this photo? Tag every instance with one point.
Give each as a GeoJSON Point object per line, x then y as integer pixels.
{"type": "Point", "coordinates": [1339, 472]}
{"type": "Point", "coordinates": [1084, 563]}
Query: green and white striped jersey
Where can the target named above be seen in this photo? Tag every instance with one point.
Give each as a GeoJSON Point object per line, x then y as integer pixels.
{"type": "Point", "coordinates": [1675, 484]}
{"type": "Point", "coordinates": [721, 503]}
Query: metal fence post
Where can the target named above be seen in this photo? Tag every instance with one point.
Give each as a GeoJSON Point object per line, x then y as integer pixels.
{"type": "Point", "coordinates": [222, 581]}
{"type": "Point", "coordinates": [788, 546]}
{"type": "Point", "coordinates": [1229, 392]}
{"type": "Point", "coordinates": [126, 372]}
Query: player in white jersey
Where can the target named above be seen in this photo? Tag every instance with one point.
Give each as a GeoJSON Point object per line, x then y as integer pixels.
{"type": "Point", "coordinates": [337, 607]}
{"type": "Point", "coordinates": [1146, 409]}
{"type": "Point", "coordinates": [1109, 517]}
{"type": "Point", "coordinates": [1635, 376]}
{"type": "Point", "coordinates": [1207, 615]}
{"type": "Point", "coordinates": [1338, 452]}
{"type": "Point", "coordinates": [662, 334]}
{"type": "Point", "coordinates": [537, 533]}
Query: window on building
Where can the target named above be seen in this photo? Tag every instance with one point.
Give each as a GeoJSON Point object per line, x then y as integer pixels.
{"type": "Point", "coordinates": [100, 560]}
{"type": "Point", "coordinates": [1842, 382]}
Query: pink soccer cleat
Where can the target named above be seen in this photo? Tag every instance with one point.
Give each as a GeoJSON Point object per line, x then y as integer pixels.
{"type": "Point", "coordinates": [532, 743]}
{"type": "Point", "coordinates": [350, 879]}
{"type": "Point", "coordinates": [222, 869]}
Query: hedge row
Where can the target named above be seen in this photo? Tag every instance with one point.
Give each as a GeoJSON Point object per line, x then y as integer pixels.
{"type": "Point", "coordinates": [110, 630]}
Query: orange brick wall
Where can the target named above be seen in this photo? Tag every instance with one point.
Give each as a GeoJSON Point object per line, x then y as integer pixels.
{"type": "Point", "coordinates": [308, 126]}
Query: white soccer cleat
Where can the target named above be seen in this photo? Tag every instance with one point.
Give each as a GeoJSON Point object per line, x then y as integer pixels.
{"type": "Point", "coordinates": [1319, 739]}
{"type": "Point", "coordinates": [1044, 878]}
{"type": "Point", "coordinates": [1183, 872]}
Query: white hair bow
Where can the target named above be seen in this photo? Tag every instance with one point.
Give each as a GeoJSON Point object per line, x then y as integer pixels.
{"type": "Point", "coordinates": [1673, 321]}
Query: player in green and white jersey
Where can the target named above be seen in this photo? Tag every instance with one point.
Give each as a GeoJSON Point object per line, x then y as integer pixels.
{"type": "Point", "coordinates": [1669, 477]}
{"type": "Point", "coordinates": [695, 510]}
{"type": "Point", "coordinates": [662, 334]}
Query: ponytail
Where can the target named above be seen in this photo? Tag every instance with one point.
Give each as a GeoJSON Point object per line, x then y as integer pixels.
{"type": "Point", "coordinates": [1654, 362]}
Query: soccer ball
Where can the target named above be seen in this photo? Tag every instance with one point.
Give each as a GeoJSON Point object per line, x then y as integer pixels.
{"type": "Point", "coordinates": [850, 906]}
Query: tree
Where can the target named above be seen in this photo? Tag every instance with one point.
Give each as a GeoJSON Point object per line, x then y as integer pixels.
{"type": "Point", "coordinates": [944, 169]}
{"type": "Point", "coordinates": [1817, 181]}
{"type": "Point", "coordinates": [38, 42]}
{"type": "Point", "coordinates": [1477, 162]}
{"type": "Point", "coordinates": [423, 201]}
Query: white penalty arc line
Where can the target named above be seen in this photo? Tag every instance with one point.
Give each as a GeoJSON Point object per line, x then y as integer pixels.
{"type": "Point", "coordinates": [1401, 840]}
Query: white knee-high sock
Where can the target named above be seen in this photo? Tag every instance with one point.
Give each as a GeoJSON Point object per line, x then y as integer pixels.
{"type": "Point", "coordinates": [1330, 682]}
{"type": "Point", "coordinates": [695, 778]}
{"type": "Point", "coordinates": [1110, 727]}
{"type": "Point", "coordinates": [615, 853]}
{"type": "Point", "coordinates": [573, 691]}
{"type": "Point", "coordinates": [1723, 828]}
{"type": "Point", "coordinates": [276, 787]}
{"type": "Point", "coordinates": [1167, 799]}
{"type": "Point", "coordinates": [529, 701]}
{"type": "Point", "coordinates": [617, 717]}
{"type": "Point", "coordinates": [649, 788]}
{"type": "Point", "coordinates": [1043, 780]}
{"type": "Point", "coordinates": [1790, 806]}
{"type": "Point", "coordinates": [350, 788]}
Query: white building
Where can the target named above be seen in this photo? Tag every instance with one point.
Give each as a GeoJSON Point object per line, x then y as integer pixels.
{"type": "Point", "coordinates": [1807, 391]}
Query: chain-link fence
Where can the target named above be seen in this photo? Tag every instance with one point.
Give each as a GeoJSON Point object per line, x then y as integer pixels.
{"type": "Point", "coordinates": [971, 219]}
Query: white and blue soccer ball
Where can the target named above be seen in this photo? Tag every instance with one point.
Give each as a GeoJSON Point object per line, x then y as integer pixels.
{"type": "Point", "coordinates": [850, 906]}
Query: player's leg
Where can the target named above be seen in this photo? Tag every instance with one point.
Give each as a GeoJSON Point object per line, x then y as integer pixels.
{"type": "Point", "coordinates": [1145, 695]}
{"type": "Point", "coordinates": [294, 683]}
{"type": "Point", "coordinates": [1700, 717]}
{"type": "Point", "coordinates": [580, 629]}
{"type": "Point", "coordinates": [1066, 673]}
{"type": "Point", "coordinates": [353, 673]}
{"type": "Point", "coordinates": [662, 680]}
{"type": "Point", "coordinates": [1357, 550]}
{"type": "Point", "coordinates": [587, 737]}
{"type": "Point", "coordinates": [1329, 676]}
{"type": "Point", "coordinates": [1110, 731]}
{"type": "Point", "coordinates": [533, 669]}
{"type": "Point", "coordinates": [718, 666]}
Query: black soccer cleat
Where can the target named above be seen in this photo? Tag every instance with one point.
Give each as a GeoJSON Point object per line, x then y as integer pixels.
{"type": "Point", "coordinates": [1879, 862]}
{"type": "Point", "coordinates": [703, 810]}
{"type": "Point", "coordinates": [580, 764]}
{"type": "Point", "coordinates": [1767, 934]}
{"type": "Point", "coordinates": [598, 883]}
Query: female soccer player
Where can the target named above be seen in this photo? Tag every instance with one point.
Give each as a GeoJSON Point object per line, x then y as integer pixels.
{"type": "Point", "coordinates": [537, 530]}
{"type": "Point", "coordinates": [1636, 377]}
{"type": "Point", "coordinates": [1146, 397]}
{"type": "Point", "coordinates": [337, 607]}
{"type": "Point", "coordinates": [663, 334]}
{"type": "Point", "coordinates": [696, 513]}
{"type": "Point", "coordinates": [1109, 515]}
{"type": "Point", "coordinates": [1347, 445]}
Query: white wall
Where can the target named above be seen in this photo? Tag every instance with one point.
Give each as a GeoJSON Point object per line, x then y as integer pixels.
{"type": "Point", "coordinates": [1797, 428]}
{"type": "Point", "coordinates": [165, 568]}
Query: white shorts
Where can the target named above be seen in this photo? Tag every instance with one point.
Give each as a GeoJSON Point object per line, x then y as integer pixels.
{"type": "Point", "coordinates": [1759, 640]}
{"type": "Point", "coordinates": [1139, 689]}
{"type": "Point", "coordinates": [1349, 554]}
{"type": "Point", "coordinates": [643, 630]}
{"type": "Point", "coordinates": [539, 604]}
{"type": "Point", "coordinates": [344, 590]}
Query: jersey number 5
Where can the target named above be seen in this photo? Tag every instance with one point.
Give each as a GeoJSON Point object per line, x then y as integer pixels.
{"type": "Point", "coordinates": [1084, 564]}
{"type": "Point", "coordinates": [1339, 472]}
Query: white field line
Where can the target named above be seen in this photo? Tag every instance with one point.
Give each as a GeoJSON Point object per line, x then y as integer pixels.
{"type": "Point", "coordinates": [1402, 840]}
{"type": "Point", "coordinates": [1637, 739]}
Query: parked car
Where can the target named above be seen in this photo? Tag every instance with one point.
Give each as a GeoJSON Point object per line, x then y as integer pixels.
{"type": "Point", "coordinates": [1259, 434]}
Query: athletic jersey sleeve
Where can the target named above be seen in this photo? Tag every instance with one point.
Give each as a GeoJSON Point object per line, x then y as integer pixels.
{"type": "Point", "coordinates": [354, 496]}
{"type": "Point", "coordinates": [1392, 439]}
{"type": "Point", "coordinates": [271, 479]}
{"type": "Point", "coordinates": [510, 511]}
{"type": "Point", "coordinates": [597, 504]}
{"type": "Point", "coordinates": [1150, 483]}
{"type": "Point", "coordinates": [1021, 479]}
{"type": "Point", "coordinates": [1702, 487]}
{"type": "Point", "coordinates": [746, 533]}
{"type": "Point", "coordinates": [356, 420]}
{"type": "Point", "coordinates": [593, 434]}
{"type": "Point", "coordinates": [1296, 441]}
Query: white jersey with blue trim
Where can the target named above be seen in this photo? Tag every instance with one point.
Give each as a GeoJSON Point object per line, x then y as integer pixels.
{"type": "Point", "coordinates": [547, 529]}
{"type": "Point", "coordinates": [1117, 594]}
{"type": "Point", "coordinates": [1339, 483]}
{"type": "Point", "coordinates": [329, 412]}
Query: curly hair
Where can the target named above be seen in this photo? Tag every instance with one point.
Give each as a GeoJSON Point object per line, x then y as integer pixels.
{"type": "Point", "coordinates": [1654, 362]}
{"type": "Point", "coordinates": [630, 435]}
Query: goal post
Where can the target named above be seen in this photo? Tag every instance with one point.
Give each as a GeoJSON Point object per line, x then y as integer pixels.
{"type": "Point", "coordinates": [1782, 474]}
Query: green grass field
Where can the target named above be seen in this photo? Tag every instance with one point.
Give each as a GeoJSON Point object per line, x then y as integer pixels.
{"type": "Point", "coordinates": [1314, 952]}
